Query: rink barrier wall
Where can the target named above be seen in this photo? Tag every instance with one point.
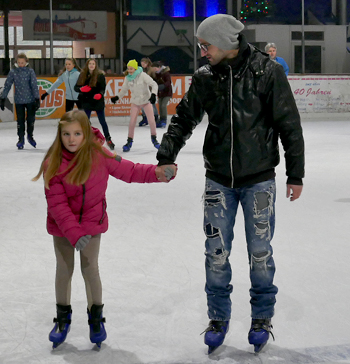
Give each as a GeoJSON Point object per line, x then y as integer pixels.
{"type": "Point", "coordinates": [317, 94]}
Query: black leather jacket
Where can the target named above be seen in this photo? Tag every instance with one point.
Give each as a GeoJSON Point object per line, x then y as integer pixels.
{"type": "Point", "coordinates": [249, 105]}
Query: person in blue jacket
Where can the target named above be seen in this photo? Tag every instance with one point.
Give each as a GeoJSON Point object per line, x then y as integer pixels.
{"type": "Point", "coordinates": [271, 49]}
{"type": "Point", "coordinates": [26, 97]}
{"type": "Point", "coordinates": [69, 75]}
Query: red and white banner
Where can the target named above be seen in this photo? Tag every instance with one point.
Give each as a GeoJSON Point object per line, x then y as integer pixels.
{"type": "Point", "coordinates": [67, 25]}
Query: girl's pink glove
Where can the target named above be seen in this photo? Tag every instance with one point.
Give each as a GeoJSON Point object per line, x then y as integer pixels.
{"type": "Point", "coordinates": [98, 97]}
{"type": "Point", "coordinates": [85, 88]}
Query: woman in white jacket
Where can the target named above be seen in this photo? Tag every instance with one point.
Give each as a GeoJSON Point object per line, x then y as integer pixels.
{"type": "Point", "coordinates": [69, 75]}
{"type": "Point", "coordinates": [143, 93]}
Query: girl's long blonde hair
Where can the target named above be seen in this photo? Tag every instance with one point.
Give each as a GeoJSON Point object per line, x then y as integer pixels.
{"type": "Point", "coordinates": [80, 166]}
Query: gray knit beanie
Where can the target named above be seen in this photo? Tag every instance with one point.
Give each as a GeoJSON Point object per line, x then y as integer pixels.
{"type": "Point", "coordinates": [221, 30]}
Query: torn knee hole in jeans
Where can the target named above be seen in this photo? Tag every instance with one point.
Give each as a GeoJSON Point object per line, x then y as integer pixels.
{"type": "Point", "coordinates": [262, 229]}
{"type": "Point", "coordinates": [220, 254]}
{"type": "Point", "coordinates": [259, 260]}
{"type": "Point", "coordinates": [212, 232]}
{"type": "Point", "coordinates": [263, 200]}
{"type": "Point", "coordinates": [214, 199]}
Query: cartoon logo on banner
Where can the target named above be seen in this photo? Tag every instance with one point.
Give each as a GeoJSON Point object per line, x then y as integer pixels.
{"type": "Point", "coordinates": [52, 102]}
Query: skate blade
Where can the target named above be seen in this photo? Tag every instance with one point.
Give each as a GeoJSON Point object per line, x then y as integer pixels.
{"type": "Point", "coordinates": [258, 348]}
{"type": "Point", "coordinates": [211, 349]}
{"type": "Point", "coordinates": [55, 345]}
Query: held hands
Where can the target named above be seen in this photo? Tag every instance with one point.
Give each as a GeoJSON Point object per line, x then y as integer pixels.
{"type": "Point", "coordinates": [82, 242]}
{"type": "Point", "coordinates": [37, 104]}
{"type": "Point", "coordinates": [44, 95]}
{"type": "Point", "coordinates": [2, 104]}
{"type": "Point", "coordinates": [114, 99]}
{"type": "Point", "coordinates": [85, 88]}
{"type": "Point", "coordinates": [152, 99]}
{"type": "Point", "coordinates": [98, 97]}
{"type": "Point", "coordinates": [169, 173]}
{"type": "Point", "coordinates": [294, 191]}
{"type": "Point", "coordinates": [166, 173]}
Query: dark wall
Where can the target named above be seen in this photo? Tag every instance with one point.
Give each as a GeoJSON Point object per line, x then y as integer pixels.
{"type": "Point", "coordinates": [174, 57]}
{"type": "Point", "coordinates": [290, 11]}
{"type": "Point", "coordinates": [107, 5]}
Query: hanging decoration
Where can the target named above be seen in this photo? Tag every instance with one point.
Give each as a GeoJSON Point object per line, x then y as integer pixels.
{"type": "Point", "coordinates": [255, 10]}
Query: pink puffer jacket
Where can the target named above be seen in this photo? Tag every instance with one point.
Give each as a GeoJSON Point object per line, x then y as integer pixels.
{"type": "Point", "coordinates": [75, 211]}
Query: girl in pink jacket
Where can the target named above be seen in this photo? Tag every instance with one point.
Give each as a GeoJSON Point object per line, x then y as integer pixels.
{"type": "Point", "coordinates": [76, 170]}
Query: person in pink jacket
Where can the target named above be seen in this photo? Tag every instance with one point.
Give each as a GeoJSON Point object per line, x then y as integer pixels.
{"type": "Point", "coordinates": [76, 170]}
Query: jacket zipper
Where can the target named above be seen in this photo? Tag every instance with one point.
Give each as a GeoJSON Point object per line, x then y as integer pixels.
{"type": "Point", "coordinates": [231, 116]}
{"type": "Point", "coordinates": [82, 206]}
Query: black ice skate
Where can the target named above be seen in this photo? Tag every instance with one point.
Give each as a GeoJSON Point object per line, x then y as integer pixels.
{"type": "Point", "coordinates": [110, 144]}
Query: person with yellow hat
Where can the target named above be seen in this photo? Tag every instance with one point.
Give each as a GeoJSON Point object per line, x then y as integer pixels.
{"type": "Point", "coordinates": [143, 94]}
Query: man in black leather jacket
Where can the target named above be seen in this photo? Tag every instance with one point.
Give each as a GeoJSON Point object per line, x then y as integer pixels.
{"type": "Point", "coordinates": [249, 105]}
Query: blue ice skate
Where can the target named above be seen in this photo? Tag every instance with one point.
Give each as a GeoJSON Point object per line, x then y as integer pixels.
{"type": "Point", "coordinates": [155, 141]}
{"type": "Point", "coordinates": [62, 325]}
{"type": "Point", "coordinates": [259, 333]}
{"type": "Point", "coordinates": [20, 143]}
{"type": "Point", "coordinates": [144, 121]}
{"type": "Point", "coordinates": [31, 141]}
{"type": "Point", "coordinates": [96, 323]}
{"type": "Point", "coordinates": [128, 145]}
{"type": "Point", "coordinates": [161, 123]}
{"type": "Point", "coordinates": [215, 334]}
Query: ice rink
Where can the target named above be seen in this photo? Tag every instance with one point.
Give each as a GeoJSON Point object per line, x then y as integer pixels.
{"type": "Point", "coordinates": [152, 261]}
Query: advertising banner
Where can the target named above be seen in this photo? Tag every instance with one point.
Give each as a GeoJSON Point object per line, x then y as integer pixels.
{"type": "Point", "coordinates": [313, 94]}
{"type": "Point", "coordinates": [54, 105]}
{"type": "Point", "coordinates": [321, 94]}
{"type": "Point", "coordinates": [180, 85]}
{"type": "Point", "coordinates": [67, 25]}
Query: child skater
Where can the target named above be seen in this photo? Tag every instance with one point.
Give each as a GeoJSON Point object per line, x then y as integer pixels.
{"type": "Point", "coordinates": [69, 74]}
{"type": "Point", "coordinates": [146, 64]}
{"type": "Point", "coordinates": [91, 86]}
{"type": "Point", "coordinates": [26, 98]}
{"type": "Point", "coordinates": [139, 83]}
{"type": "Point", "coordinates": [76, 170]}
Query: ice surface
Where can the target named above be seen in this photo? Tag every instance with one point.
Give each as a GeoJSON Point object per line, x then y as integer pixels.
{"type": "Point", "coordinates": [152, 261]}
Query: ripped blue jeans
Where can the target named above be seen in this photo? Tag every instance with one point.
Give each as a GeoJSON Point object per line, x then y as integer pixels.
{"type": "Point", "coordinates": [220, 208]}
